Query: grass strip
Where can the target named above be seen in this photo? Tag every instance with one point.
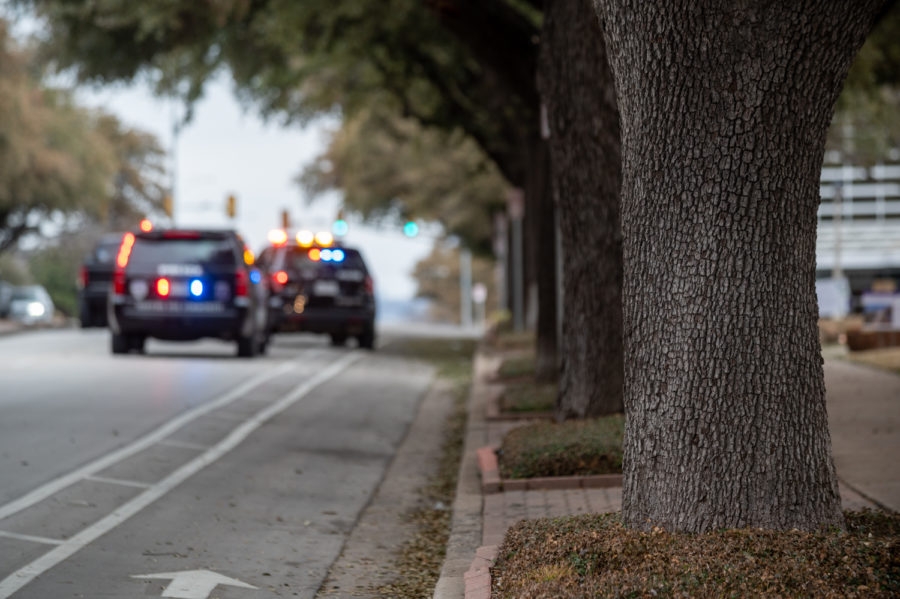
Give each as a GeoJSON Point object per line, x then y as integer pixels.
{"type": "Point", "coordinates": [528, 397]}
{"type": "Point", "coordinates": [596, 556]}
{"type": "Point", "coordinates": [575, 447]}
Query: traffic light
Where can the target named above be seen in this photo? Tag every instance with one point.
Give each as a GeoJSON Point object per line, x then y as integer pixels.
{"type": "Point", "coordinates": [167, 205]}
{"type": "Point", "coordinates": [231, 206]}
{"type": "Point", "coordinates": [340, 226]}
{"type": "Point", "coordinates": [410, 228]}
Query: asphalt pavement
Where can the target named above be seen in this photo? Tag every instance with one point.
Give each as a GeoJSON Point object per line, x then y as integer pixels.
{"type": "Point", "coordinates": [188, 472]}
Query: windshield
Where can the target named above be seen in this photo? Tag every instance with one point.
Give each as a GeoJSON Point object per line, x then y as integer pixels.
{"type": "Point", "coordinates": [26, 293]}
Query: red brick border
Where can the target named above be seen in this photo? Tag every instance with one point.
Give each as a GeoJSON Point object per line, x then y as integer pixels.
{"type": "Point", "coordinates": [492, 483]}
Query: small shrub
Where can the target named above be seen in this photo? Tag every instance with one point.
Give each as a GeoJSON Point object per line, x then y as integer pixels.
{"type": "Point", "coordinates": [528, 397]}
{"type": "Point", "coordinates": [564, 448]}
{"type": "Point", "coordinates": [517, 366]}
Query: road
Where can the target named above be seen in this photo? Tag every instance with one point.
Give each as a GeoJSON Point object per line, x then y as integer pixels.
{"type": "Point", "coordinates": [188, 472]}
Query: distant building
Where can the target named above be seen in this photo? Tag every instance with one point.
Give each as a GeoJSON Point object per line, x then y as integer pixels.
{"type": "Point", "coordinates": [859, 228]}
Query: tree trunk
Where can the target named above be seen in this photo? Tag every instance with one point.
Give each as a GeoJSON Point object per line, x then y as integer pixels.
{"type": "Point", "coordinates": [543, 255]}
{"type": "Point", "coordinates": [724, 110]}
{"type": "Point", "coordinates": [577, 89]}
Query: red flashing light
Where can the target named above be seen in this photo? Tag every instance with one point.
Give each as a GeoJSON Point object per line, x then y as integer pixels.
{"type": "Point", "coordinates": [281, 277]}
{"type": "Point", "coordinates": [181, 235]}
{"type": "Point", "coordinates": [315, 254]}
{"type": "Point", "coordinates": [162, 287]}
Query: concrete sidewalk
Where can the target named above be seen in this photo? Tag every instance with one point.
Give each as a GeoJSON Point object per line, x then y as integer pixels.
{"type": "Point", "coordinates": [864, 418]}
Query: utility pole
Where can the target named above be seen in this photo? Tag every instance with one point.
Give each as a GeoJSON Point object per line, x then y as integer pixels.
{"type": "Point", "coordinates": [465, 287]}
{"type": "Point", "coordinates": [515, 206]}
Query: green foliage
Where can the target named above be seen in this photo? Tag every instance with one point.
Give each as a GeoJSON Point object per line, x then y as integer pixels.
{"type": "Point", "coordinates": [866, 125]}
{"type": "Point", "coordinates": [51, 160]}
{"type": "Point", "coordinates": [386, 164]}
{"type": "Point", "coordinates": [56, 268]}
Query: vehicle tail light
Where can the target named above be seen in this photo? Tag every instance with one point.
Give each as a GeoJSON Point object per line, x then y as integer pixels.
{"type": "Point", "coordinates": [241, 283]}
{"type": "Point", "coordinates": [279, 279]}
{"type": "Point", "coordinates": [83, 277]}
{"type": "Point", "coordinates": [119, 281]}
{"type": "Point", "coordinates": [369, 284]}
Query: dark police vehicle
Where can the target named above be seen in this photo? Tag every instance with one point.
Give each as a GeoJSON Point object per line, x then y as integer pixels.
{"type": "Point", "coordinates": [179, 284]}
{"type": "Point", "coordinates": [319, 286]}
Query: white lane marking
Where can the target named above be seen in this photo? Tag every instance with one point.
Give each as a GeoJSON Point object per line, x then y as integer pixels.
{"type": "Point", "coordinates": [193, 584]}
{"type": "Point", "coordinates": [119, 481]}
{"type": "Point", "coordinates": [32, 538]}
{"type": "Point", "coordinates": [66, 480]}
{"type": "Point", "coordinates": [183, 444]}
{"type": "Point", "coordinates": [69, 547]}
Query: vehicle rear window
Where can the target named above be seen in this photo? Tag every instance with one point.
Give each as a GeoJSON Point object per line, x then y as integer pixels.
{"type": "Point", "coordinates": [181, 251]}
{"type": "Point", "coordinates": [298, 259]}
{"type": "Point", "coordinates": [106, 251]}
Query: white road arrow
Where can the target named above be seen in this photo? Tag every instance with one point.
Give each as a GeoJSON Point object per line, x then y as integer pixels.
{"type": "Point", "coordinates": [193, 584]}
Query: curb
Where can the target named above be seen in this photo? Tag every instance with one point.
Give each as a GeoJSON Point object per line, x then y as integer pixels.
{"type": "Point", "coordinates": [478, 576]}
{"type": "Point", "coordinates": [492, 483]}
{"type": "Point", "coordinates": [466, 524]}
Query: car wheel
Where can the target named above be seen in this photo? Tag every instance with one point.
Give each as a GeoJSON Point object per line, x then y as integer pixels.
{"type": "Point", "coordinates": [136, 343]}
{"type": "Point", "coordinates": [367, 339]}
{"type": "Point", "coordinates": [246, 346]}
{"type": "Point", "coordinates": [264, 344]}
{"type": "Point", "coordinates": [120, 344]}
{"type": "Point", "coordinates": [338, 339]}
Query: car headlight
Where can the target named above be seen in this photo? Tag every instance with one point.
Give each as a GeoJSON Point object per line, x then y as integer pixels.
{"type": "Point", "coordinates": [36, 309]}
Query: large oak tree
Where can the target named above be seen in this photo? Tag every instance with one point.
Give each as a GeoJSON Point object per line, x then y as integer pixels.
{"type": "Point", "coordinates": [724, 111]}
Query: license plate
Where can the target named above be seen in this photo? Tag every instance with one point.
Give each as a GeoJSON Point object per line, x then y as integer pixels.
{"type": "Point", "coordinates": [329, 288]}
{"type": "Point", "coordinates": [180, 307]}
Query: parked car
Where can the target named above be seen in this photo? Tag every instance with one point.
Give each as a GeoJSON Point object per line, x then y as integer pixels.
{"type": "Point", "coordinates": [94, 280]}
{"type": "Point", "coordinates": [179, 284]}
{"type": "Point", "coordinates": [319, 286]}
{"type": "Point", "coordinates": [31, 305]}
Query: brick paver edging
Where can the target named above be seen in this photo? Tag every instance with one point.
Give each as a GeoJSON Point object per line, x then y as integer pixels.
{"type": "Point", "coordinates": [492, 483]}
{"type": "Point", "coordinates": [478, 577]}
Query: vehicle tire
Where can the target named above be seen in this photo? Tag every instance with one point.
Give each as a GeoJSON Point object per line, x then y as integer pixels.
{"type": "Point", "coordinates": [367, 339]}
{"type": "Point", "coordinates": [120, 344]}
{"type": "Point", "coordinates": [338, 339]}
{"type": "Point", "coordinates": [136, 343]}
{"type": "Point", "coordinates": [86, 318]}
{"type": "Point", "coordinates": [263, 344]}
{"type": "Point", "coordinates": [246, 346]}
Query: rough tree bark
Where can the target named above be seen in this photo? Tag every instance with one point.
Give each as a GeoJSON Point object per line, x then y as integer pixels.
{"type": "Point", "coordinates": [724, 110]}
{"type": "Point", "coordinates": [542, 242]}
{"type": "Point", "coordinates": [577, 90]}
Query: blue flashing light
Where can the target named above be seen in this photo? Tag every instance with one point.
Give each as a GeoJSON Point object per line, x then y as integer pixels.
{"type": "Point", "coordinates": [411, 229]}
{"type": "Point", "coordinates": [340, 227]}
{"type": "Point", "coordinates": [196, 287]}
{"type": "Point", "coordinates": [255, 276]}
{"type": "Point", "coordinates": [337, 255]}
{"type": "Point", "coordinates": [327, 255]}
